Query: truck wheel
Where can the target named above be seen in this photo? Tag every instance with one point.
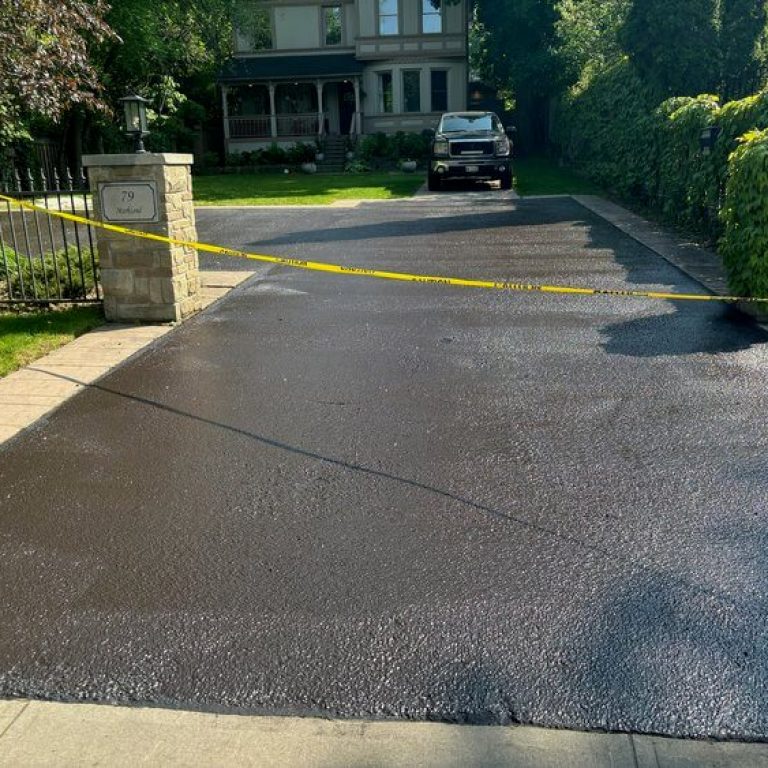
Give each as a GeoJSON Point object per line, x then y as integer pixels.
{"type": "Point", "coordinates": [506, 180]}
{"type": "Point", "coordinates": [434, 183]}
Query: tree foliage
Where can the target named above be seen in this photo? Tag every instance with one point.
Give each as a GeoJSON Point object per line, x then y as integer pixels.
{"type": "Point", "coordinates": [743, 38]}
{"type": "Point", "coordinates": [518, 45]}
{"type": "Point", "coordinates": [45, 62]}
{"type": "Point", "coordinates": [588, 32]}
{"type": "Point", "coordinates": [674, 45]}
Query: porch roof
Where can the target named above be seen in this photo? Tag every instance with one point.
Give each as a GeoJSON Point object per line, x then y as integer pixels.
{"type": "Point", "coordinates": [244, 70]}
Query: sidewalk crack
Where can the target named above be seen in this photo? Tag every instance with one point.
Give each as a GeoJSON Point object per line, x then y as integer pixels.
{"type": "Point", "coordinates": [15, 720]}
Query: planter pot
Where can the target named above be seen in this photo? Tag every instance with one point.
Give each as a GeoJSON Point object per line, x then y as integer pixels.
{"type": "Point", "coordinates": [409, 166]}
{"type": "Point", "coordinates": [309, 168]}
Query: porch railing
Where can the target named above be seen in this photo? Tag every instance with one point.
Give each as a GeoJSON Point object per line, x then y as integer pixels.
{"type": "Point", "coordinates": [250, 127]}
{"type": "Point", "coordinates": [260, 126]}
{"type": "Point", "coordinates": [46, 260]}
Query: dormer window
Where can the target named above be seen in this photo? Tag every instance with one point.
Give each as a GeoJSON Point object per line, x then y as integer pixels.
{"type": "Point", "coordinates": [431, 17]}
{"type": "Point", "coordinates": [332, 24]}
{"type": "Point", "coordinates": [388, 20]}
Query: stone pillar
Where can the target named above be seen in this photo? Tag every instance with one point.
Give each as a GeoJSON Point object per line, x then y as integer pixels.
{"type": "Point", "coordinates": [143, 280]}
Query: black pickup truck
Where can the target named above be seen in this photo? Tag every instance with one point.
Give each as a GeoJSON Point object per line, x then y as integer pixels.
{"type": "Point", "coordinates": [472, 146]}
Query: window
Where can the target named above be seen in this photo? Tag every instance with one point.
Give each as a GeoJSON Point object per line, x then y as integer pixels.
{"type": "Point", "coordinates": [431, 17]}
{"type": "Point", "coordinates": [439, 90]}
{"type": "Point", "coordinates": [411, 90]}
{"type": "Point", "coordinates": [385, 92]}
{"type": "Point", "coordinates": [470, 122]}
{"type": "Point", "coordinates": [388, 21]}
{"type": "Point", "coordinates": [332, 24]}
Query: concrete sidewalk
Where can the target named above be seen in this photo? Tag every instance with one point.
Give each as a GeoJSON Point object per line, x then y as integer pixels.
{"type": "Point", "coordinates": [35, 733]}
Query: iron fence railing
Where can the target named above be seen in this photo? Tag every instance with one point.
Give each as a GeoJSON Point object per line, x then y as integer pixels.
{"type": "Point", "coordinates": [45, 259]}
{"type": "Point", "coordinates": [288, 126]}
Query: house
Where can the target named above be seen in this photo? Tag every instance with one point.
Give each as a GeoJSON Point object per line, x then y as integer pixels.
{"type": "Point", "coordinates": [305, 69]}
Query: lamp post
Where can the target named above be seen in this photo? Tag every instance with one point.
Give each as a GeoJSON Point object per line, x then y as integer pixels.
{"type": "Point", "coordinates": [135, 108]}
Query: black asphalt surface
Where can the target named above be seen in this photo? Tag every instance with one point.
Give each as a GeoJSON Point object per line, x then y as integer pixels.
{"type": "Point", "coordinates": [348, 497]}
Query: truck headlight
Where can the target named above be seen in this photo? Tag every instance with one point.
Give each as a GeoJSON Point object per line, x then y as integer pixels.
{"type": "Point", "coordinates": [503, 147]}
{"type": "Point", "coordinates": [440, 148]}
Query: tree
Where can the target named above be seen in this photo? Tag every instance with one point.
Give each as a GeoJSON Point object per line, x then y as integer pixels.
{"type": "Point", "coordinates": [517, 52]}
{"type": "Point", "coordinates": [742, 33]}
{"type": "Point", "coordinates": [45, 67]}
{"type": "Point", "coordinates": [169, 51]}
{"type": "Point", "coordinates": [674, 45]}
{"type": "Point", "coordinates": [588, 32]}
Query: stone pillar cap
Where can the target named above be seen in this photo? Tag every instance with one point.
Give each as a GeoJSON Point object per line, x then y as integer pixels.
{"type": "Point", "coordinates": [145, 158]}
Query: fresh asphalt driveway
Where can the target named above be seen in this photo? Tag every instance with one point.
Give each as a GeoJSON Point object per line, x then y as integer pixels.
{"type": "Point", "coordinates": [340, 496]}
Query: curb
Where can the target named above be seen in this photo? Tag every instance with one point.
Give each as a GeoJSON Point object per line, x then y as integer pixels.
{"type": "Point", "coordinates": [37, 733]}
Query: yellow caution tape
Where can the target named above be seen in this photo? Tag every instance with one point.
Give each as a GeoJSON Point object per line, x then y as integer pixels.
{"type": "Point", "coordinates": [339, 269]}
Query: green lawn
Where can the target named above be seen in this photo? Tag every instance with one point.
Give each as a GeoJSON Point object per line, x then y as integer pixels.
{"type": "Point", "coordinates": [26, 336]}
{"type": "Point", "coordinates": [543, 176]}
{"type": "Point", "coordinates": [303, 189]}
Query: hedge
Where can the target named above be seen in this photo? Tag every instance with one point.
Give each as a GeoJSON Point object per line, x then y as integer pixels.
{"type": "Point", "coordinates": [53, 272]}
{"type": "Point", "coordinates": [744, 244]}
{"type": "Point", "coordinates": [605, 130]}
{"type": "Point", "coordinates": [610, 131]}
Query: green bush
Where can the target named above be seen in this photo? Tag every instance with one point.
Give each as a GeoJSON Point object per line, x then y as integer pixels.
{"type": "Point", "coordinates": [686, 192]}
{"type": "Point", "coordinates": [301, 153]}
{"type": "Point", "coordinates": [381, 149]}
{"type": "Point", "coordinates": [51, 271]}
{"type": "Point", "coordinates": [744, 244]}
{"type": "Point", "coordinates": [735, 119]}
{"type": "Point", "coordinates": [605, 128]}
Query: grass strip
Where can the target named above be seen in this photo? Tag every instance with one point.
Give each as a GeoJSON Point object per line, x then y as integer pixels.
{"type": "Point", "coordinates": [303, 189]}
{"type": "Point", "coordinates": [543, 176]}
{"type": "Point", "coordinates": [26, 336]}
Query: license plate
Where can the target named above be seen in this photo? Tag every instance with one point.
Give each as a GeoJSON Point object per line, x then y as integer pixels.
{"type": "Point", "coordinates": [472, 168]}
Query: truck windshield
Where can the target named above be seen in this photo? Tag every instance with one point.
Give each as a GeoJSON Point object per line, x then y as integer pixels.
{"type": "Point", "coordinates": [458, 123]}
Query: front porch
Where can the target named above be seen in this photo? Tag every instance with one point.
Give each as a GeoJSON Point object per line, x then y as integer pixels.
{"type": "Point", "coordinates": [295, 111]}
{"type": "Point", "coordinates": [285, 99]}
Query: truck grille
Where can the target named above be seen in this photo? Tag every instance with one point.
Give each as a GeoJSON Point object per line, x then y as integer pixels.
{"type": "Point", "coordinates": [471, 148]}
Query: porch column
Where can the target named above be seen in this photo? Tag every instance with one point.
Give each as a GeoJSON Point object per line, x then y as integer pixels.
{"type": "Point", "coordinates": [358, 111]}
{"type": "Point", "coordinates": [272, 112]}
{"type": "Point", "coordinates": [320, 113]}
{"type": "Point", "coordinates": [225, 111]}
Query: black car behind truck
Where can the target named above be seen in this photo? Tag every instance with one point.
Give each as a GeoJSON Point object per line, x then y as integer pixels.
{"type": "Point", "coordinates": [472, 146]}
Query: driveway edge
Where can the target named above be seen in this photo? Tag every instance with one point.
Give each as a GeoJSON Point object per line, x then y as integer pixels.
{"type": "Point", "coordinates": [699, 263]}
{"type": "Point", "coordinates": [38, 733]}
{"type": "Point", "coordinates": [33, 392]}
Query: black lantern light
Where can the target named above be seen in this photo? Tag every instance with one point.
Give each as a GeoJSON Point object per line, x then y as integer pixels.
{"type": "Point", "coordinates": [136, 120]}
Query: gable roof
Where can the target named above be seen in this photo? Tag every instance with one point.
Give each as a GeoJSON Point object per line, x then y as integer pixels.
{"type": "Point", "coordinates": [241, 70]}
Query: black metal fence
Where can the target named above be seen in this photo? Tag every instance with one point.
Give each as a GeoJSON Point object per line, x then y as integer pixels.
{"type": "Point", "coordinates": [45, 259]}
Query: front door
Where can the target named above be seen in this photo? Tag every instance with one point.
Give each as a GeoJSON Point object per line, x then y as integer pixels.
{"type": "Point", "coordinates": [346, 108]}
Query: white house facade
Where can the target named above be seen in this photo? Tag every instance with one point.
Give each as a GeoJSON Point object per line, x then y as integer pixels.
{"type": "Point", "coordinates": [304, 69]}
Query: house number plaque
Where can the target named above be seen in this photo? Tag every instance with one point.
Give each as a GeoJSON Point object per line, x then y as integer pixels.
{"type": "Point", "coordinates": [132, 201]}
